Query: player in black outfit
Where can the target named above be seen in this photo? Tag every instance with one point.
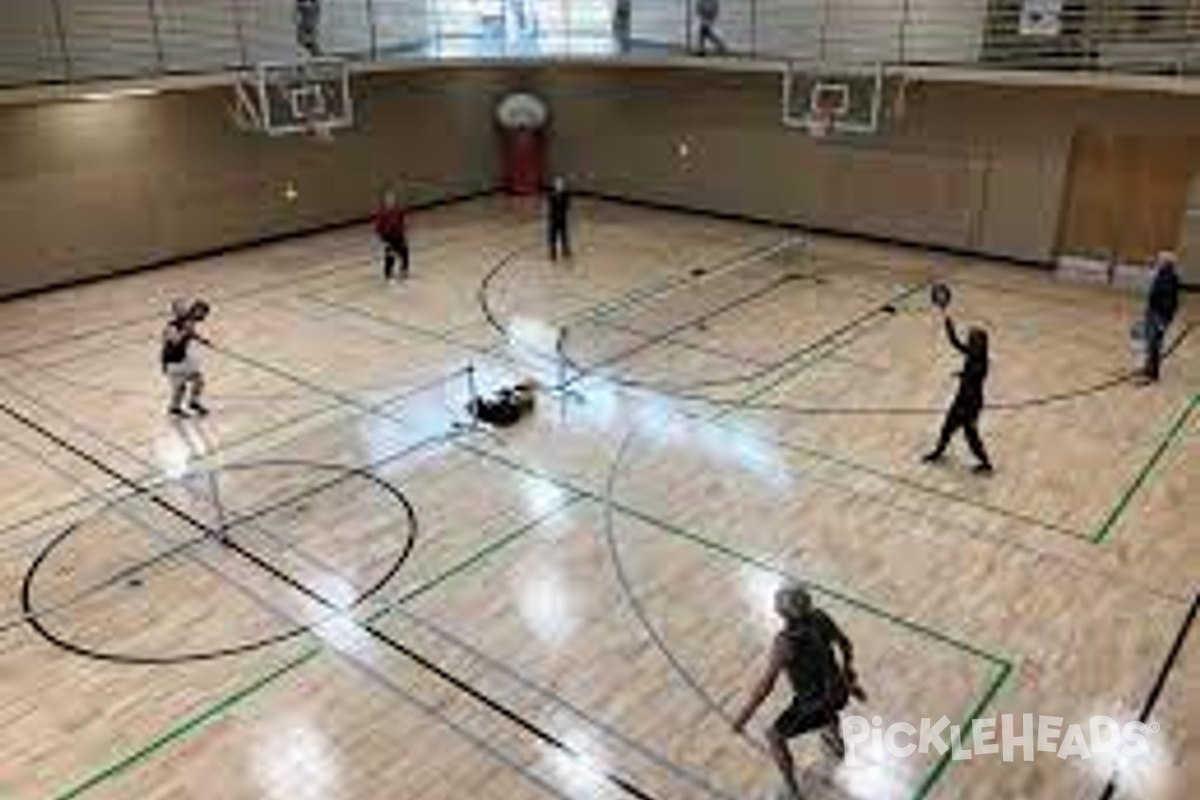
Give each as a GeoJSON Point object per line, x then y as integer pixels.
{"type": "Point", "coordinates": [804, 650]}
{"type": "Point", "coordinates": [558, 210]}
{"type": "Point", "coordinates": [968, 402]}
{"type": "Point", "coordinates": [1161, 305]}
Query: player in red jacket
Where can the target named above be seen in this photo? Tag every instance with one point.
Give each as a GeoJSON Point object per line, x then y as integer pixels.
{"type": "Point", "coordinates": [391, 227]}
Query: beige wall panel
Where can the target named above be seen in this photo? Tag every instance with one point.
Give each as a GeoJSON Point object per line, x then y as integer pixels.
{"type": "Point", "coordinates": [93, 188]}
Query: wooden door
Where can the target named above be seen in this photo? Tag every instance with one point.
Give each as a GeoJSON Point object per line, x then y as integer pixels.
{"type": "Point", "coordinates": [1126, 195]}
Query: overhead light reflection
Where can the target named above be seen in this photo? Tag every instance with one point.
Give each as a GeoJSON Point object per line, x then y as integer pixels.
{"type": "Point", "coordinates": [541, 497]}
{"type": "Point", "coordinates": [879, 775]}
{"type": "Point", "coordinates": [1150, 775]}
{"type": "Point", "coordinates": [758, 587]}
{"type": "Point", "coordinates": [294, 759]}
{"type": "Point", "coordinates": [581, 772]}
{"type": "Point", "coordinates": [118, 94]}
{"type": "Point", "coordinates": [547, 606]}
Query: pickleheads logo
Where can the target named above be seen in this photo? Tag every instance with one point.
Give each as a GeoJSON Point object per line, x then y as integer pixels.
{"type": "Point", "coordinates": [1100, 736]}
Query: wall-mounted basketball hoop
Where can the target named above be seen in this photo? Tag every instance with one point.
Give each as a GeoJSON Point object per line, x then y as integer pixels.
{"type": "Point", "coordinates": [306, 97]}
{"type": "Point", "coordinates": [825, 100]}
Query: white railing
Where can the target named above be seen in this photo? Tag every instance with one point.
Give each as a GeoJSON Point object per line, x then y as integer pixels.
{"type": "Point", "coordinates": [79, 40]}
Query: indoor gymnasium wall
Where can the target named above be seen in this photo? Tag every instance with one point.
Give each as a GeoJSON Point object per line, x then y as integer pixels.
{"type": "Point", "coordinates": [91, 188]}
{"type": "Point", "coordinates": [969, 167]}
{"type": "Point", "coordinates": [88, 189]}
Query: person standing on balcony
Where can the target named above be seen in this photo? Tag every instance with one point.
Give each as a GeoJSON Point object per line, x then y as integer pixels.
{"type": "Point", "coordinates": [622, 24]}
{"type": "Point", "coordinates": [707, 12]}
{"type": "Point", "coordinates": [308, 26]}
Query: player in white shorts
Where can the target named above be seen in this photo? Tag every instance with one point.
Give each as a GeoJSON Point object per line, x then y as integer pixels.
{"type": "Point", "coordinates": [179, 363]}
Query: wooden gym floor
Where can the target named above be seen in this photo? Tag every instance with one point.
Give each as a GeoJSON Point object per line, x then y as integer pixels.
{"type": "Point", "coordinates": [409, 607]}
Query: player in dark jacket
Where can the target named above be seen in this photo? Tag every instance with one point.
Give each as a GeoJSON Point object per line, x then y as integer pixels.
{"type": "Point", "coordinates": [1161, 305]}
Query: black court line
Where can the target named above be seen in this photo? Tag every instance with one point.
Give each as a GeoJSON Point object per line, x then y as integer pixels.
{"type": "Point", "coordinates": [30, 616]}
{"type": "Point", "coordinates": [35, 617]}
{"type": "Point", "coordinates": [620, 782]}
{"type": "Point", "coordinates": [683, 344]}
{"type": "Point", "coordinates": [654, 340]}
{"type": "Point", "coordinates": [310, 274]}
{"type": "Point", "coordinates": [1022, 404]}
{"type": "Point", "coordinates": [957, 274]}
{"type": "Point", "coordinates": [499, 666]}
{"type": "Point", "coordinates": [1159, 684]}
{"type": "Point", "coordinates": [437, 670]}
{"type": "Point", "coordinates": [636, 295]}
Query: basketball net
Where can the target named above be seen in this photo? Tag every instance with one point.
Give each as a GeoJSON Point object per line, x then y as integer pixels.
{"type": "Point", "coordinates": [821, 123]}
{"type": "Point", "coordinates": [320, 131]}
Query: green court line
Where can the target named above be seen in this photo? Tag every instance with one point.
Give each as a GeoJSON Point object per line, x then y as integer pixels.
{"type": "Point", "coordinates": [665, 285]}
{"type": "Point", "coordinates": [588, 314]}
{"type": "Point", "coordinates": [186, 727]}
{"type": "Point", "coordinates": [838, 594]}
{"type": "Point", "coordinates": [193, 723]}
{"type": "Point", "coordinates": [921, 487]}
{"type": "Point", "coordinates": [196, 722]}
{"type": "Point", "coordinates": [115, 490]}
{"type": "Point", "coordinates": [305, 275]}
{"type": "Point", "coordinates": [1005, 665]}
{"type": "Point", "coordinates": [675, 340]}
{"type": "Point", "coordinates": [968, 722]}
{"type": "Point", "coordinates": [210, 714]}
{"type": "Point", "coordinates": [838, 340]}
{"type": "Point", "coordinates": [474, 560]}
{"type": "Point", "coordinates": [1139, 480]}
{"type": "Point", "coordinates": [443, 337]}
{"type": "Point", "coordinates": [727, 549]}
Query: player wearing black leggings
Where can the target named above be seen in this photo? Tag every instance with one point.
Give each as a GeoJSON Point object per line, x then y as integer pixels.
{"type": "Point", "coordinates": [968, 402]}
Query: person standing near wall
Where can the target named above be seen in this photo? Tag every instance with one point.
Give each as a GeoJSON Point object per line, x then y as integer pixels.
{"type": "Point", "coordinates": [707, 12]}
{"type": "Point", "coordinates": [392, 229]}
{"type": "Point", "coordinates": [558, 212]}
{"type": "Point", "coordinates": [308, 26]}
{"type": "Point", "coordinates": [1161, 305]}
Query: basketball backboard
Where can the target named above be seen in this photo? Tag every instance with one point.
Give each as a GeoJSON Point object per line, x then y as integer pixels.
{"type": "Point", "coordinates": [824, 100]}
{"type": "Point", "coordinates": [311, 96]}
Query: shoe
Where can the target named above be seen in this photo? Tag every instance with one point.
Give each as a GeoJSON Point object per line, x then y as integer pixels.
{"type": "Point", "coordinates": [200, 410]}
{"type": "Point", "coordinates": [983, 469]}
{"type": "Point", "coordinates": [931, 458]}
{"type": "Point", "coordinates": [176, 411]}
{"type": "Point", "coordinates": [834, 744]}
